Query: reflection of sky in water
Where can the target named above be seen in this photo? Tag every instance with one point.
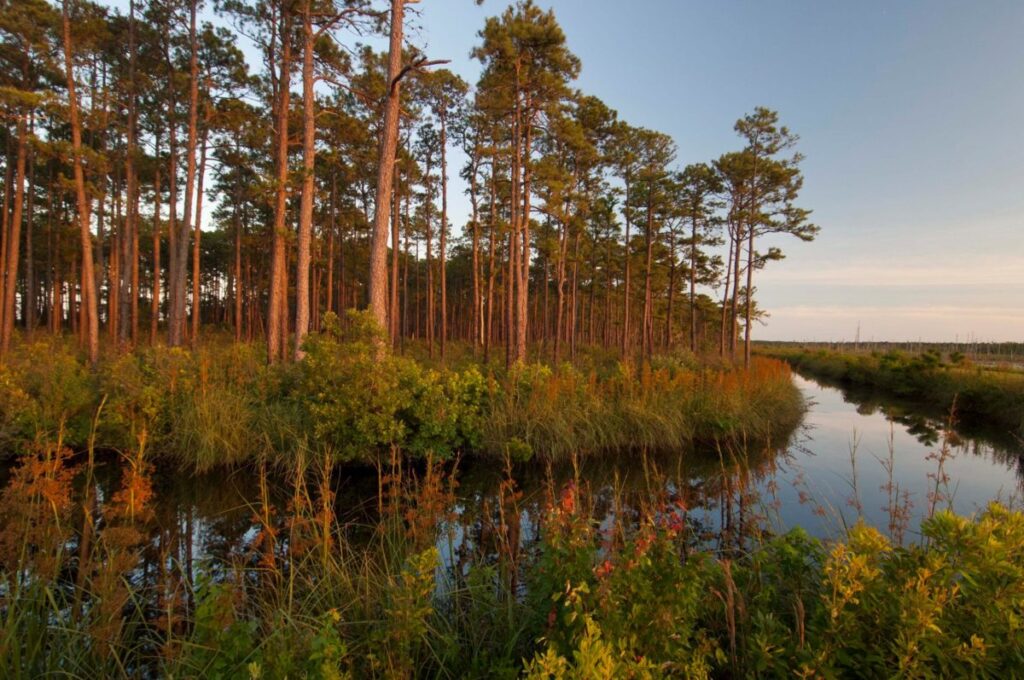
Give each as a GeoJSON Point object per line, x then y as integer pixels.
{"type": "Point", "coordinates": [820, 465]}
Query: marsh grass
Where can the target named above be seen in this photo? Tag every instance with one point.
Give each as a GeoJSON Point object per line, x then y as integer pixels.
{"type": "Point", "coordinates": [223, 406]}
{"type": "Point", "coordinates": [678, 571]}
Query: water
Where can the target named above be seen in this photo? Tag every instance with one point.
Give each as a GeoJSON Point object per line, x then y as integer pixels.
{"type": "Point", "coordinates": [211, 521]}
{"type": "Point", "coordinates": [817, 472]}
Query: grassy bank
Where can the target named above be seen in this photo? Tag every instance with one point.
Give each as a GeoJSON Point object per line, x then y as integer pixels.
{"type": "Point", "coordinates": [223, 405]}
{"type": "Point", "coordinates": [641, 596]}
{"type": "Point", "coordinates": [974, 394]}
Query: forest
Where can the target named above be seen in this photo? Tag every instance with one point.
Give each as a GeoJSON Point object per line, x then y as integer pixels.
{"type": "Point", "coordinates": [272, 406]}
{"type": "Point", "coordinates": [324, 189]}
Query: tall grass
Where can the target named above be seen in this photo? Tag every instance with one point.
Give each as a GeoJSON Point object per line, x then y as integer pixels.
{"type": "Point", "coordinates": [555, 413]}
{"type": "Point", "coordinates": [222, 405]}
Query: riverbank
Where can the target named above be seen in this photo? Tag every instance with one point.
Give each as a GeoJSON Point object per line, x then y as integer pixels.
{"type": "Point", "coordinates": [222, 405]}
{"type": "Point", "coordinates": [972, 394]}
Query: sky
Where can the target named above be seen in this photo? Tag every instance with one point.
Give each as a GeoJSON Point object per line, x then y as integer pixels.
{"type": "Point", "coordinates": [910, 115]}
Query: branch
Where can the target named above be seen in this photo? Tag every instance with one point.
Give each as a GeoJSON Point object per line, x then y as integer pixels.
{"type": "Point", "coordinates": [417, 66]}
{"type": "Point", "coordinates": [333, 21]}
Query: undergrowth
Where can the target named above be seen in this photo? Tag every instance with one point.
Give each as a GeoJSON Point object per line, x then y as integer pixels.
{"type": "Point", "coordinates": [641, 595]}
{"type": "Point", "coordinates": [222, 405]}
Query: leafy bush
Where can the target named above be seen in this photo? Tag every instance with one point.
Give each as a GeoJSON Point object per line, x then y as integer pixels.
{"type": "Point", "coordinates": [46, 393]}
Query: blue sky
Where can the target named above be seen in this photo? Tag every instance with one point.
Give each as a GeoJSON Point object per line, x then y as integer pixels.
{"type": "Point", "coordinates": [911, 118]}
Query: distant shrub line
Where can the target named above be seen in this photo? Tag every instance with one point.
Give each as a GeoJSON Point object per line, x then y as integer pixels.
{"type": "Point", "coordinates": [974, 394]}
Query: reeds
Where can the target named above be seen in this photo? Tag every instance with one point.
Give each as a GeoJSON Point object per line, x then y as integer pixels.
{"type": "Point", "coordinates": [980, 395]}
{"type": "Point", "coordinates": [222, 406]}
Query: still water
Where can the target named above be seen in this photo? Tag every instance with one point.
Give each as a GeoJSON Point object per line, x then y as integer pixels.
{"type": "Point", "coordinates": [847, 436]}
{"type": "Point", "coordinates": [211, 520]}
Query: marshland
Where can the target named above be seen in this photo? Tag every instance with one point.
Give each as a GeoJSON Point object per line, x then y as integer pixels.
{"type": "Point", "coordinates": [336, 345]}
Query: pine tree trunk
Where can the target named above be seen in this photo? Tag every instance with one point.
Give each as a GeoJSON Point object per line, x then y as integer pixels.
{"type": "Point", "coordinates": [477, 311]}
{"type": "Point", "coordinates": [395, 248]}
{"type": "Point", "coordinates": [129, 293]}
{"type": "Point", "coordinates": [378, 283]}
{"type": "Point", "coordinates": [278, 274]}
{"type": "Point", "coordinates": [523, 289]}
{"type": "Point", "coordinates": [154, 312]}
{"type": "Point", "coordinates": [179, 249]}
{"type": "Point", "coordinates": [723, 337]}
{"type": "Point", "coordinates": [693, 283]}
{"type": "Point", "coordinates": [626, 273]}
{"type": "Point", "coordinates": [14, 239]}
{"type": "Point", "coordinates": [31, 284]}
{"type": "Point", "coordinates": [331, 229]}
{"type": "Point", "coordinates": [308, 184]}
{"type": "Point", "coordinates": [88, 277]}
{"type": "Point", "coordinates": [750, 298]}
{"type": "Point", "coordinates": [430, 321]}
{"type": "Point", "coordinates": [491, 271]}
{"type": "Point", "coordinates": [442, 246]}
{"type": "Point", "coordinates": [648, 321]}
{"type": "Point", "coordinates": [196, 272]}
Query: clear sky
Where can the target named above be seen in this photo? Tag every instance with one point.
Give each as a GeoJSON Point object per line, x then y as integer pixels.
{"type": "Point", "coordinates": [911, 118]}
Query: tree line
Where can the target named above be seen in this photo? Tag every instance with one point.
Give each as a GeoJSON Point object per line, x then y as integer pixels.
{"type": "Point", "coordinates": [325, 171]}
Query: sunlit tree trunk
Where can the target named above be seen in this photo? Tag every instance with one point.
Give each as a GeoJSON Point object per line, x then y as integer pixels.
{"type": "Point", "coordinates": [393, 317]}
{"type": "Point", "coordinates": [129, 243]}
{"type": "Point", "coordinates": [31, 284]}
{"type": "Point", "coordinates": [723, 338]}
{"type": "Point", "coordinates": [14, 239]}
{"type": "Point", "coordinates": [179, 249]}
{"type": "Point", "coordinates": [331, 229]}
{"type": "Point", "coordinates": [92, 330]}
{"type": "Point", "coordinates": [491, 271]}
{"type": "Point", "coordinates": [626, 271]}
{"type": "Point", "coordinates": [523, 289]}
{"type": "Point", "coordinates": [378, 283]}
{"type": "Point", "coordinates": [693, 283]}
{"type": "Point", "coordinates": [278, 270]}
{"type": "Point", "coordinates": [443, 240]}
{"type": "Point", "coordinates": [750, 297]}
{"type": "Point", "coordinates": [427, 215]}
{"type": "Point", "coordinates": [477, 317]}
{"type": "Point", "coordinates": [308, 184]}
{"type": "Point", "coordinates": [648, 321]}
{"type": "Point", "coordinates": [196, 272]}
{"type": "Point", "coordinates": [154, 317]}
{"type": "Point", "coordinates": [734, 310]}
